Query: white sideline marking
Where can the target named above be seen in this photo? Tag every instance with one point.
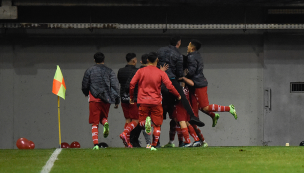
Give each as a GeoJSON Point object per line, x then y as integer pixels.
{"type": "Point", "coordinates": [50, 163]}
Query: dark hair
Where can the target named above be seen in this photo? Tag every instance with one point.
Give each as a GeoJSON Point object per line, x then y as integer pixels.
{"type": "Point", "coordinates": [152, 56]}
{"type": "Point", "coordinates": [99, 57]}
{"type": "Point", "coordinates": [197, 44]}
{"type": "Point", "coordinates": [174, 40]}
{"type": "Point", "coordinates": [130, 56]}
{"type": "Point", "coordinates": [144, 58]}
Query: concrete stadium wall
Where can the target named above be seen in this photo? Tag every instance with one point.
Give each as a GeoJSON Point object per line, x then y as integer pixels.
{"type": "Point", "coordinates": [28, 108]}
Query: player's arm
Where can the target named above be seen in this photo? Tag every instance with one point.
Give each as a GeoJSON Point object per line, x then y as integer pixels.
{"type": "Point", "coordinates": [170, 87]}
{"type": "Point", "coordinates": [115, 86]}
{"type": "Point", "coordinates": [86, 83]}
{"type": "Point", "coordinates": [192, 65]}
{"type": "Point", "coordinates": [187, 81]}
{"type": "Point", "coordinates": [133, 83]}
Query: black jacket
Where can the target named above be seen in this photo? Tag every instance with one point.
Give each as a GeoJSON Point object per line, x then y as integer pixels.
{"type": "Point", "coordinates": [196, 67]}
{"type": "Point", "coordinates": [102, 82]}
{"type": "Point", "coordinates": [124, 74]}
{"type": "Point", "coordinates": [171, 56]}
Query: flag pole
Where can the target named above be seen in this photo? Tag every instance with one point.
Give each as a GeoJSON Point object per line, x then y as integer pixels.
{"type": "Point", "coordinates": [59, 121]}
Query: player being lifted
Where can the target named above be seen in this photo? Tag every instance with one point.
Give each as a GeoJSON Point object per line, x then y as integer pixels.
{"type": "Point", "coordinates": [149, 81]}
{"type": "Point", "coordinates": [195, 73]}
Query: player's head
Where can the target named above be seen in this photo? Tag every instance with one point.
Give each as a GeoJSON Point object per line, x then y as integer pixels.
{"type": "Point", "coordinates": [131, 58]}
{"type": "Point", "coordinates": [152, 57]}
{"type": "Point", "coordinates": [99, 57]}
{"type": "Point", "coordinates": [175, 41]}
{"type": "Point", "coordinates": [194, 45]}
{"type": "Point", "coordinates": [144, 59]}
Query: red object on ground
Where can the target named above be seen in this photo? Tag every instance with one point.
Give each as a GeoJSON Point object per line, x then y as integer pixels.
{"type": "Point", "coordinates": [32, 145]}
{"type": "Point", "coordinates": [23, 143]}
{"type": "Point", "coordinates": [65, 145]}
{"type": "Point", "coordinates": [75, 144]}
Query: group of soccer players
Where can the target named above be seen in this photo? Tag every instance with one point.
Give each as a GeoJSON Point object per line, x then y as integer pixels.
{"type": "Point", "coordinates": [167, 82]}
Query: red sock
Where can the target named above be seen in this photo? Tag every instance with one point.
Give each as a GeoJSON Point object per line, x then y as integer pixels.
{"type": "Point", "coordinates": [156, 134]}
{"type": "Point", "coordinates": [95, 134]}
{"type": "Point", "coordinates": [179, 133]}
{"type": "Point", "coordinates": [129, 128]}
{"type": "Point", "coordinates": [193, 133]}
{"type": "Point", "coordinates": [104, 120]}
{"type": "Point", "coordinates": [218, 108]}
{"type": "Point", "coordinates": [172, 130]}
{"type": "Point", "coordinates": [198, 132]}
{"type": "Point", "coordinates": [126, 124]}
{"type": "Point", "coordinates": [186, 135]}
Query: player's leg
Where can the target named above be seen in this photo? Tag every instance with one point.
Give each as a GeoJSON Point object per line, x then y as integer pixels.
{"type": "Point", "coordinates": [197, 142]}
{"type": "Point", "coordinates": [185, 132]}
{"type": "Point", "coordinates": [219, 108]}
{"type": "Point", "coordinates": [157, 119]}
{"type": "Point", "coordinates": [172, 132]}
{"type": "Point", "coordinates": [94, 119]}
{"type": "Point", "coordinates": [104, 112]}
{"type": "Point", "coordinates": [186, 103]}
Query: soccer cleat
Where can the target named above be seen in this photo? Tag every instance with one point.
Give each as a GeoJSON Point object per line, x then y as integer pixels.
{"type": "Point", "coordinates": [233, 111]}
{"type": "Point", "coordinates": [130, 145]}
{"type": "Point", "coordinates": [106, 130]}
{"type": "Point", "coordinates": [196, 121]}
{"type": "Point", "coordinates": [181, 144]}
{"type": "Point", "coordinates": [205, 144]}
{"type": "Point", "coordinates": [148, 125]}
{"type": "Point", "coordinates": [96, 147]}
{"type": "Point", "coordinates": [214, 119]}
{"type": "Point", "coordinates": [197, 144]}
{"type": "Point", "coordinates": [123, 136]}
{"type": "Point", "coordinates": [153, 149]}
{"type": "Point", "coordinates": [188, 145]}
{"type": "Point", "coordinates": [169, 145]}
{"type": "Point", "coordinates": [148, 146]}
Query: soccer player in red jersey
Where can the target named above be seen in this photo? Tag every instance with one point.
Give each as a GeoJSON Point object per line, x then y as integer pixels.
{"type": "Point", "coordinates": [195, 73]}
{"type": "Point", "coordinates": [149, 80]}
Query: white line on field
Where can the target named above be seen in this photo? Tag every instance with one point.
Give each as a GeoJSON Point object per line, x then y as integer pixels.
{"type": "Point", "coordinates": [49, 164]}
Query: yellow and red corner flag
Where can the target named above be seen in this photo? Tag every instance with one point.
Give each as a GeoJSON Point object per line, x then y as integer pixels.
{"type": "Point", "coordinates": [59, 87]}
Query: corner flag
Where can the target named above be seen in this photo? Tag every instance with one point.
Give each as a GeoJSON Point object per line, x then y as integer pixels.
{"type": "Point", "coordinates": [59, 87]}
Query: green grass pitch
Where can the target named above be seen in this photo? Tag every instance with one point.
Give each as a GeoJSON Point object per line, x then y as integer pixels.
{"type": "Point", "coordinates": [211, 159]}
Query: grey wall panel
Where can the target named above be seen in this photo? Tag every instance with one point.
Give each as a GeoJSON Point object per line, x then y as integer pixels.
{"type": "Point", "coordinates": [233, 67]}
{"type": "Point", "coordinates": [6, 97]}
{"type": "Point", "coordinates": [284, 64]}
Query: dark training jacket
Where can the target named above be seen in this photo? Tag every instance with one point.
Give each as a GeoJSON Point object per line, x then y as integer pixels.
{"type": "Point", "coordinates": [102, 82]}
{"type": "Point", "coordinates": [123, 75]}
{"type": "Point", "coordinates": [196, 67]}
{"type": "Point", "coordinates": [171, 56]}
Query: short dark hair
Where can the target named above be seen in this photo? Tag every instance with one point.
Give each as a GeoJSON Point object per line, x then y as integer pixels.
{"type": "Point", "coordinates": [130, 56]}
{"type": "Point", "coordinates": [174, 40]}
{"type": "Point", "coordinates": [197, 44]}
{"type": "Point", "coordinates": [152, 56]}
{"type": "Point", "coordinates": [144, 58]}
{"type": "Point", "coordinates": [99, 57]}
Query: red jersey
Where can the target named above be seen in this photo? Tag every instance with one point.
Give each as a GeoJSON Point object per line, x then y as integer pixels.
{"type": "Point", "coordinates": [149, 81]}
